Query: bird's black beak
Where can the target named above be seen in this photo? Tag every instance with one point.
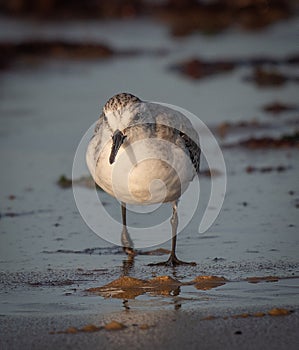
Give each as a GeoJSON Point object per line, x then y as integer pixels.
{"type": "Point", "coordinates": [117, 140]}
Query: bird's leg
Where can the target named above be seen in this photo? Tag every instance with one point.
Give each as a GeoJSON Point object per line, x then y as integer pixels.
{"type": "Point", "coordinates": [126, 240]}
{"type": "Point", "coordinates": [128, 264]}
{"type": "Point", "coordinates": [173, 260]}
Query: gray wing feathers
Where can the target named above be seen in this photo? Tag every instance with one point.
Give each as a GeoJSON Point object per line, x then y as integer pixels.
{"type": "Point", "coordinates": [185, 129]}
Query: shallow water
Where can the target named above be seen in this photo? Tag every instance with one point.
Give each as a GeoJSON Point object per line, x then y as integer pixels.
{"type": "Point", "coordinates": [45, 110]}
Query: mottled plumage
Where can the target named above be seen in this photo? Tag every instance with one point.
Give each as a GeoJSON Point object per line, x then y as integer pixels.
{"type": "Point", "coordinates": [120, 101]}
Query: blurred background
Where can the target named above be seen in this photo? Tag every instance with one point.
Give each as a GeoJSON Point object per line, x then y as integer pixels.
{"type": "Point", "coordinates": [234, 64]}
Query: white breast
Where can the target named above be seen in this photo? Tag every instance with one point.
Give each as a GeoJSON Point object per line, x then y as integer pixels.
{"type": "Point", "coordinates": [146, 172]}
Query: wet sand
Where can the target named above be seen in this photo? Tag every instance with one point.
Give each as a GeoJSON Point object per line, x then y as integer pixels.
{"type": "Point", "coordinates": [65, 309]}
{"type": "Point", "coordinates": [148, 330]}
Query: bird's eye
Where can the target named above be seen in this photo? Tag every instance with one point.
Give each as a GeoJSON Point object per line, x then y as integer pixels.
{"type": "Point", "coordinates": [137, 116]}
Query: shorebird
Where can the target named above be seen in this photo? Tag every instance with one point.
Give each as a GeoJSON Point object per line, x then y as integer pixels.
{"type": "Point", "coordinates": [143, 153]}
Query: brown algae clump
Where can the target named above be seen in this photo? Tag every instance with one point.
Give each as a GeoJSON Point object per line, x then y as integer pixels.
{"type": "Point", "coordinates": [130, 288]}
{"type": "Point", "coordinates": [279, 312]}
{"type": "Point", "coordinates": [114, 326]}
{"type": "Point", "coordinates": [208, 282]}
{"type": "Point", "coordinates": [262, 279]}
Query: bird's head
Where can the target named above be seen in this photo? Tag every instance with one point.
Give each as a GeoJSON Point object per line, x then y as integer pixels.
{"type": "Point", "coordinates": [119, 112]}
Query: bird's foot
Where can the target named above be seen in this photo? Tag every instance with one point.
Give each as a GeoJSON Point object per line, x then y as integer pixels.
{"type": "Point", "coordinates": [172, 262]}
{"type": "Point", "coordinates": [130, 251]}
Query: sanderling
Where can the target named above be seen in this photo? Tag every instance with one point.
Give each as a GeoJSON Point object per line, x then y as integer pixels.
{"type": "Point", "coordinates": [143, 153]}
